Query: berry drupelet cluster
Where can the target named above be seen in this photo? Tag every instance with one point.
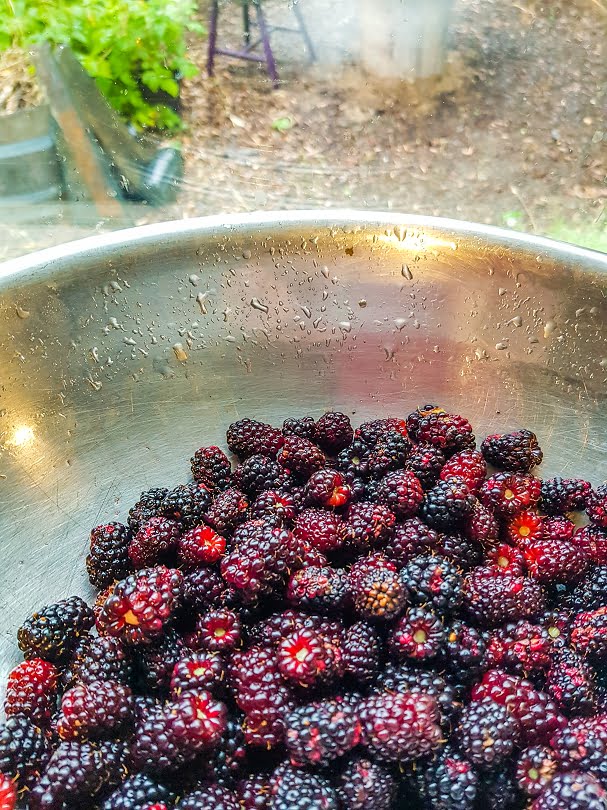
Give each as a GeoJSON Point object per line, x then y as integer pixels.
{"type": "Point", "coordinates": [342, 619]}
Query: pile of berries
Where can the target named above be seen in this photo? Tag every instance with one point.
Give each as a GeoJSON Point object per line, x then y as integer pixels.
{"type": "Point", "coordinates": [343, 619]}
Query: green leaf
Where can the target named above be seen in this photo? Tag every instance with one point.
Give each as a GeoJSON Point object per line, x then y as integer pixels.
{"type": "Point", "coordinates": [283, 124]}
{"type": "Point", "coordinates": [170, 86]}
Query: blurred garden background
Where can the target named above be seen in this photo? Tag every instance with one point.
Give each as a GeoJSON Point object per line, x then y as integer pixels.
{"type": "Point", "coordinates": [511, 130]}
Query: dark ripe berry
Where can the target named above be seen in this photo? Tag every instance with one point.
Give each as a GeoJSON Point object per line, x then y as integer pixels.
{"type": "Point", "coordinates": [552, 560]}
{"type": "Point", "coordinates": [211, 467]}
{"type": "Point", "coordinates": [433, 581]}
{"type": "Point", "coordinates": [306, 658]}
{"type": "Point", "coordinates": [509, 494]}
{"type": "Point", "coordinates": [400, 726]}
{"type": "Point", "coordinates": [274, 507]}
{"type": "Point", "coordinates": [258, 473]}
{"type": "Point", "coordinates": [364, 784]}
{"type": "Point", "coordinates": [352, 460]}
{"type": "Point", "coordinates": [561, 495]}
{"type": "Point", "coordinates": [449, 432]}
{"type": "Point", "coordinates": [465, 649]}
{"type": "Point", "coordinates": [589, 632]}
{"type": "Point", "coordinates": [535, 768]}
{"type": "Point", "coordinates": [448, 782]}
{"type": "Point", "coordinates": [515, 452]}
{"type": "Point", "coordinates": [583, 744]}
{"type": "Point", "coordinates": [535, 712]}
{"type": "Point", "coordinates": [211, 797]}
{"type": "Point", "coordinates": [327, 488]}
{"type": "Point", "coordinates": [334, 432]}
{"type": "Point", "coordinates": [499, 790]}
{"type": "Point", "coordinates": [201, 546]}
{"type": "Point", "coordinates": [202, 589]}
{"type": "Point", "coordinates": [319, 732]}
{"type": "Point", "coordinates": [596, 506]}
{"type": "Point", "coordinates": [319, 528]}
{"type": "Point", "coordinates": [591, 592]}
{"type": "Point", "coordinates": [571, 682]}
{"type": "Point", "coordinates": [219, 630]}
{"type": "Point", "coordinates": [377, 592]}
{"type": "Point", "coordinates": [227, 510]}
{"type": "Point", "coordinates": [521, 647]}
{"type": "Point", "coordinates": [136, 793]}
{"type": "Point", "coordinates": [76, 771]}
{"type": "Point", "coordinates": [418, 635]}
{"type": "Point", "coordinates": [247, 437]}
{"type": "Point", "coordinates": [401, 492]}
{"type": "Point", "coordinates": [8, 793]}
{"type": "Point", "coordinates": [361, 653]}
{"type": "Point", "coordinates": [464, 553]}
{"type": "Point", "coordinates": [363, 565]}
{"type": "Point", "coordinates": [410, 538]}
{"type": "Point", "coordinates": [197, 671]}
{"type": "Point", "coordinates": [525, 528]}
{"type": "Point", "coordinates": [304, 427]}
{"type": "Point", "coordinates": [32, 690]}
{"type": "Point", "coordinates": [186, 504]}
{"type": "Point", "coordinates": [487, 734]}
{"type": "Point", "coordinates": [321, 589]}
{"type": "Point", "coordinates": [558, 527]}
{"type": "Point", "coordinates": [93, 710]}
{"type": "Point", "coordinates": [425, 461]}
{"type": "Point", "coordinates": [389, 453]}
{"type": "Point", "coordinates": [469, 466]}
{"type": "Point", "coordinates": [481, 527]}
{"type": "Point", "coordinates": [508, 560]}
{"type": "Point", "coordinates": [295, 789]}
{"type": "Point", "coordinates": [370, 431]}
{"type": "Point", "coordinates": [108, 558]}
{"type": "Point", "coordinates": [148, 506]}
{"type": "Point", "coordinates": [573, 791]}
{"type": "Point", "coordinates": [24, 750]}
{"type": "Point", "coordinates": [154, 662]}
{"type": "Point", "coordinates": [446, 506]}
{"type": "Point", "coordinates": [52, 632]}
{"type": "Point", "coordinates": [408, 678]}
{"type": "Point", "coordinates": [413, 419]}
{"type": "Point", "coordinates": [101, 658]}
{"type": "Point", "coordinates": [592, 540]}
{"type": "Point", "coordinates": [230, 756]}
{"type": "Point", "coordinates": [139, 607]}
{"type": "Point", "coordinates": [254, 792]}
{"type": "Point", "coordinates": [368, 525]}
{"type": "Point", "coordinates": [271, 631]}
{"type": "Point", "coordinates": [492, 598]}
{"type": "Point", "coordinates": [154, 541]}
{"type": "Point", "coordinates": [301, 457]}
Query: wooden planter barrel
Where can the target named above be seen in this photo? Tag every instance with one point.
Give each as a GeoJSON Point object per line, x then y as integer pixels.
{"type": "Point", "coordinates": [404, 39]}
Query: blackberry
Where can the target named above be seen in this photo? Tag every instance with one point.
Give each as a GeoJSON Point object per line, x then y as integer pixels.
{"type": "Point", "coordinates": [254, 792]}
{"type": "Point", "coordinates": [589, 633]}
{"type": "Point", "coordinates": [32, 690]}
{"type": "Point", "coordinates": [592, 540]}
{"type": "Point", "coordinates": [186, 504]}
{"type": "Point", "coordinates": [406, 678]}
{"type": "Point", "coordinates": [413, 419]}
{"type": "Point", "coordinates": [201, 546]}
{"type": "Point", "coordinates": [509, 494]}
{"type": "Point", "coordinates": [324, 590]}
{"type": "Point", "coordinates": [304, 427]}
{"type": "Point", "coordinates": [156, 660]}
{"type": "Point", "coordinates": [102, 658]}
{"type": "Point", "coordinates": [370, 431]}
{"type": "Point", "coordinates": [596, 506]}
{"type": "Point", "coordinates": [361, 653]}
{"type": "Point", "coordinates": [212, 797]}
{"type": "Point", "coordinates": [319, 732]}
{"type": "Point", "coordinates": [515, 452]}
{"type": "Point", "coordinates": [450, 433]}
{"type": "Point", "coordinates": [574, 791]}
{"type": "Point", "coordinates": [108, 558]}
{"type": "Point", "coordinates": [334, 432]}
{"type": "Point", "coordinates": [525, 529]}
{"type": "Point", "coordinates": [448, 782]}
{"type": "Point", "coordinates": [535, 769]}
{"type": "Point", "coordinates": [52, 632]}
{"type": "Point", "coordinates": [551, 561]}
{"type": "Point", "coordinates": [308, 658]}
{"type": "Point", "coordinates": [353, 460]}
{"type": "Point", "coordinates": [411, 538]}
{"type": "Point", "coordinates": [426, 462]}
{"type": "Point", "coordinates": [271, 631]}
{"type": "Point", "coordinates": [508, 560]}
{"type": "Point", "coordinates": [320, 528]}
{"type": "Point", "coordinates": [368, 525]}
{"type": "Point", "coordinates": [469, 466]}
{"type": "Point", "coordinates": [301, 457]}
{"type": "Point", "coordinates": [561, 495]}
{"type": "Point", "coordinates": [154, 542]}
{"type": "Point", "coordinates": [401, 726]}
{"type": "Point", "coordinates": [591, 592]}
{"type": "Point", "coordinates": [521, 647]}
{"type": "Point", "coordinates": [258, 473]}
{"type": "Point", "coordinates": [558, 527]}
{"type": "Point", "coordinates": [93, 710]}
{"type": "Point", "coordinates": [274, 507]}
{"type": "Point", "coordinates": [202, 589]}
{"type": "Point", "coordinates": [492, 598]}
{"type": "Point", "coordinates": [499, 790]}
{"type": "Point", "coordinates": [148, 506]}
{"type": "Point", "coordinates": [248, 437]}
{"type": "Point", "coordinates": [418, 635]}
{"type": "Point", "coordinates": [24, 750]}
{"type": "Point", "coordinates": [446, 506]}
{"type": "Point", "coordinates": [582, 744]}
{"type": "Point", "coordinates": [377, 591]}
{"type": "Point", "coordinates": [230, 755]}
{"type": "Point", "coordinates": [364, 784]}
{"type": "Point", "coordinates": [136, 793]}
{"type": "Point", "coordinates": [75, 772]}
{"type": "Point", "coordinates": [487, 733]}
{"type": "Point", "coordinates": [401, 492]}
{"type": "Point", "coordinates": [389, 453]}
{"type": "Point", "coordinates": [219, 630]}
{"type": "Point", "coordinates": [433, 581]}
{"type": "Point", "coordinates": [461, 551]}
{"type": "Point", "coordinates": [211, 467]}
{"type": "Point", "coordinates": [327, 488]}
{"type": "Point", "coordinates": [481, 527]}
{"type": "Point", "coordinates": [196, 671]}
{"type": "Point", "coordinates": [227, 510]}
{"type": "Point", "coordinates": [293, 789]}
{"type": "Point", "coordinates": [465, 649]}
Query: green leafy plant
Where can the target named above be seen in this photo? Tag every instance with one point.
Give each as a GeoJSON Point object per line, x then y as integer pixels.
{"type": "Point", "coordinates": [126, 45]}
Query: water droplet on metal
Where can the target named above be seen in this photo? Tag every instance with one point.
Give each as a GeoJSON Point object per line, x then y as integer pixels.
{"type": "Point", "coordinates": [502, 291]}
{"type": "Point", "coordinates": [180, 352]}
{"type": "Point", "coordinates": [246, 254]}
{"type": "Point", "coordinates": [406, 271]}
{"type": "Point", "coordinates": [257, 304]}
{"type": "Point", "coordinates": [345, 325]}
{"type": "Point", "coordinates": [362, 303]}
{"type": "Point", "coordinates": [501, 345]}
{"type": "Point", "coordinates": [549, 328]}
{"type": "Point", "coordinates": [194, 279]}
{"type": "Point", "coordinates": [129, 341]}
{"type": "Point", "coordinates": [22, 313]}
{"type": "Point", "coordinates": [325, 271]}
{"type": "Point", "coordinates": [201, 301]}
{"type": "Point", "coordinates": [307, 311]}
{"type": "Point", "coordinates": [516, 321]}
{"type": "Point", "coordinates": [400, 323]}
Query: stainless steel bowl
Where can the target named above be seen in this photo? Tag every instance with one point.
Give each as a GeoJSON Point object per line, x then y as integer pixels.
{"type": "Point", "coordinates": [120, 355]}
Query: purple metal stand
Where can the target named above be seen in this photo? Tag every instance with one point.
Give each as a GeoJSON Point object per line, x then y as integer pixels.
{"type": "Point", "coordinates": [264, 29]}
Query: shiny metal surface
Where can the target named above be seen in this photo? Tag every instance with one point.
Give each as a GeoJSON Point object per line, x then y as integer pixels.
{"type": "Point", "coordinates": [119, 355]}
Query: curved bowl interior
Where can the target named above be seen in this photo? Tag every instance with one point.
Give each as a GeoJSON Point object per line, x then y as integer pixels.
{"type": "Point", "coordinates": [120, 355]}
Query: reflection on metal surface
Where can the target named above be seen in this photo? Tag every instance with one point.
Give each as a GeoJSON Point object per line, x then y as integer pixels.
{"type": "Point", "coordinates": [407, 238]}
{"type": "Point", "coordinates": [22, 435]}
